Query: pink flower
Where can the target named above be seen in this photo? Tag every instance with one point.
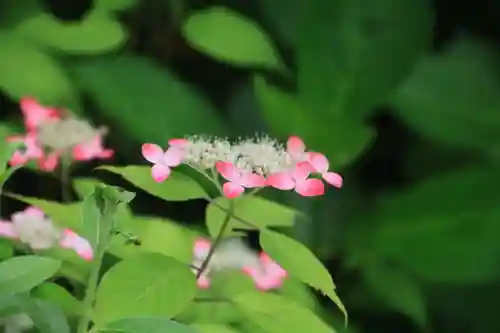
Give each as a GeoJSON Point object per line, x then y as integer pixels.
{"type": "Point", "coordinates": [296, 148]}
{"type": "Point", "coordinates": [36, 114]}
{"type": "Point", "coordinates": [298, 181]}
{"type": "Point", "coordinates": [320, 164]}
{"type": "Point", "coordinates": [162, 161]}
{"type": "Point", "coordinates": [7, 230]}
{"type": "Point", "coordinates": [31, 151]}
{"type": "Point", "coordinates": [49, 162]}
{"type": "Point", "coordinates": [237, 180]}
{"type": "Point", "coordinates": [177, 142]}
{"type": "Point", "coordinates": [200, 251]}
{"type": "Point", "coordinates": [80, 245]}
{"type": "Point", "coordinates": [92, 150]}
{"type": "Point", "coordinates": [270, 276]}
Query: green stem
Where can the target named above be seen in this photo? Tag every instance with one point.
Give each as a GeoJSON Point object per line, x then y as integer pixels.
{"type": "Point", "coordinates": [65, 176]}
{"type": "Point", "coordinates": [217, 240]}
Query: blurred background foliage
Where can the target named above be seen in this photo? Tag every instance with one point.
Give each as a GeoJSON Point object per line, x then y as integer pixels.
{"type": "Point", "coordinates": [402, 95]}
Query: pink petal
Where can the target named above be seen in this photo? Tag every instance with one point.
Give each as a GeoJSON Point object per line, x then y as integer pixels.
{"type": "Point", "coordinates": [272, 267]}
{"type": "Point", "coordinates": [177, 142]}
{"type": "Point", "coordinates": [295, 145]}
{"type": "Point", "coordinates": [35, 114]}
{"type": "Point", "coordinates": [17, 159]}
{"type": "Point", "coordinates": [91, 150]}
{"type": "Point", "coordinates": [160, 172]}
{"type": "Point", "coordinates": [49, 163]}
{"type": "Point", "coordinates": [7, 230]}
{"type": "Point", "coordinates": [34, 212]}
{"type": "Point", "coordinates": [232, 190]}
{"type": "Point", "coordinates": [173, 156]}
{"type": "Point", "coordinates": [282, 181]}
{"type": "Point", "coordinates": [250, 180]}
{"type": "Point", "coordinates": [333, 178]}
{"type": "Point", "coordinates": [106, 153]}
{"type": "Point", "coordinates": [203, 282]}
{"type": "Point", "coordinates": [302, 171]}
{"type": "Point", "coordinates": [319, 162]}
{"type": "Point", "coordinates": [152, 153]}
{"type": "Point", "coordinates": [310, 188]}
{"type": "Point", "coordinates": [228, 171]}
{"type": "Point", "coordinates": [80, 245]}
{"type": "Point", "coordinates": [201, 247]}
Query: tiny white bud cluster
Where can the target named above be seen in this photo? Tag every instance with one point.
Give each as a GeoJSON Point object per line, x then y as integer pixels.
{"type": "Point", "coordinates": [260, 154]}
{"type": "Point", "coordinates": [63, 134]}
{"type": "Point", "coordinates": [36, 230]}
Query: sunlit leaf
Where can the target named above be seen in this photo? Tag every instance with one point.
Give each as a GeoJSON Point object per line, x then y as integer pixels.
{"type": "Point", "coordinates": [47, 317]}
{"type": "Point", "coordinates": [250, 212]}
{"type": "Point", "coordinates": [146, 325]}
{"type": "Point", "coordinates": [230, 37]}
{"type": "Point", "coordinates": [344, 46]}
{"type": "Point", "coordinates": [145, 285]}
{"type": "Point", "coordinates": [213, 328]}
{"type": "Point", "coordinates": [300, 263]}
{"type": "Point", "coordinates": [274, 313]}
{"type": "Point", "coordinates": [54, 293]}
{"type": "Point", "coordinates": [94, 34]}
{"type": "Point", "coordinates": [178, 187]}
{"type": "Point", "coordinates": [27, 71]}
{"type": "Point", "coordinates": [20, 274]}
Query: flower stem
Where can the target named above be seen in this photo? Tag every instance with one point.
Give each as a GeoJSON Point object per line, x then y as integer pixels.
{"type": "Point", "coordinates": [218, 239]}
{"type": "Point", "coordinates": [65, 177]}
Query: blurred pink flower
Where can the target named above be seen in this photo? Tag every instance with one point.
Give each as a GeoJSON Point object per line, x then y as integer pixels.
{"type": "Point", "coordinates": [31, 150]}
{"type": "Point", "coordinates": [162, 161]}
{"type": "Point", "coordinates": [200, 252]}
{"type": "Point", "coordinates": [297, 180]}
{"type": "Point", "coordinates": [237, 180]}
{"type": "Point", "coordinates": [92, 150]}
{"type": "Point", "coordinates": [33, 228]}
{"type": "Point", "coordinates": [269, 276]}
{"type": "Point", "coordinates": [36, 114]}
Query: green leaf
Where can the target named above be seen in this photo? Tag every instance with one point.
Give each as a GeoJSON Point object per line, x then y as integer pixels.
{"type": "Point", "coordinates": [397, 290]}
{"type": "Point", "coordinates": [6, 249]}
{"type": "Point", "coordinates": [276, 314]}
{"type": "Point", "coordinates": [298, 292]}
{"type": "Point", "coordinates": [95, 229]}
{"type": "Point", "coordinates": [301, 263]}
{"type": "Point", "coordinates": [146, 325]}
{"type": "Point", "coordinates": [351, 48]}
{"type": "Point", "coordinates": [27, 71]}
{"type": "Point", "coordinates": [107, 6]}
{"type": "Point", "coordinates": [8, 148]}
{"type": "Point", "coordinates": [167, 107]}
{"type": "Point", "coordinates": [460, 86]}
{"type": "Point", "coordinates": [147, 284]}
{"type": "Point", "coordinates": [256, 210]}
{"type": "Point", "coordinates": [84, 186]}
{"type": "Point", "coordinates": [178, 187]}
{"type": "Point", "coordinates": [92, 35]}
{"type": "Point", "coordinates": [54, 293]}
{"type": "Point", "coordinates": [213, 328]}
{"type": "Point", "coordinates": [341, 139]}
{"type": "Point", "coordinates": [443, 230]}
{"type": "Point", "coordinates": [230, 37]}
{"type": "Point", "coordinates": [21, 274]}
{"type": "Point", "coordinates": [47, 317]}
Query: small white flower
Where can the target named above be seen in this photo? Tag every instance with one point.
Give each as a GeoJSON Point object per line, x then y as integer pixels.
{"type": "Point", "coordinates": [34, 229]}
{"type": "Point", "coordinates": [66, 133]}
{"type": "Point", "coordinates": [17, 323]}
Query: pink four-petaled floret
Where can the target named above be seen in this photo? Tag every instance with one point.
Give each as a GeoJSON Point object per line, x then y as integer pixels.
{"type": "Point", "coordinates": [162, 160]}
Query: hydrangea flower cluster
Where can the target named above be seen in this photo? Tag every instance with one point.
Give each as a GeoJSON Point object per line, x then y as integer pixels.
{"type": "Point", "coordinates": [249, 163]}
{"type": "Point", "coordinates": [34, 229]}
{"type": "Point", "coordinates": [233, 254]}
{"type": "Point", "coordinates": [52, 133]}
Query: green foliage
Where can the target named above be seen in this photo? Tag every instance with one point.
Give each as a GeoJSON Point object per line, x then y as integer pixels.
{"type": "Point", "coordinates": [231, 37]}
{"type": "Point", "coordinates": [47, 317]}
{"type": "Point", "coordinates": [301, 263]}
{"type": "Point", "coordinates": [397, 290]}
{"type": "Point", "coordinates": [108, 6]}
{"type": "Point", "coordinates": [94, 34]}
{"type": "Point", "coordinates": [146, 325]}
{"type": "Point", "coordinates": [167, 107]}
{"type": "Point", "coordinates": [274, 313]}
{"type": "Point", "coordinates": [25, 70]}
{"type": "Point", "coordinates": [54, 293]}
{"type": "Point", "coordinates": [211, 328]}
{"type": "Point", "coordinates": [21, 274]}
{"type": "Point", "coordinates": [250, 212]}
{"type": "Point", "coordinates": [352, 54]}
{"type": "Point", "coordinates": [437, 223]}
{"type": "Point", "coordinates": [341, 139]}
{"type": "Point", "coordinates": [178, 187]}
{"type": "Point", "coordinates": [459, 87]}
{"type": "Point", "coordinates": [147, 284]}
